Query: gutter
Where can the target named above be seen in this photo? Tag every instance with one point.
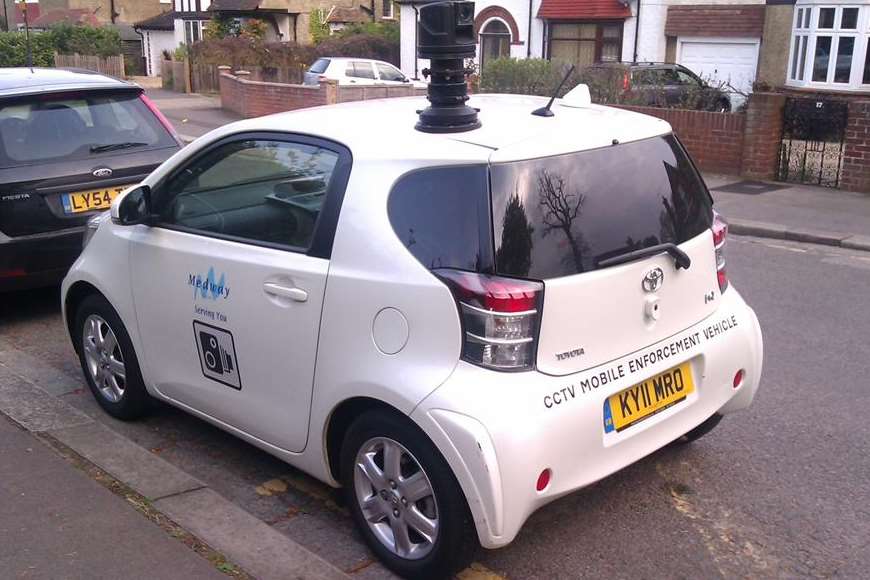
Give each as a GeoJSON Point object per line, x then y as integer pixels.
{"type": "Point", "coordinates": [529, 32]}
{"type": "Point", "coordinates": [636, 30]}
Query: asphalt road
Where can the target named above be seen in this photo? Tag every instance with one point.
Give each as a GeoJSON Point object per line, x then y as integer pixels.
{"type": "Point", "coordinates": [781, 490]}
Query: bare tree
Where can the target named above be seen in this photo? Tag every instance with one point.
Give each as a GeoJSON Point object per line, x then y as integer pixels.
{"type": "Point", "coordinates": [560, 209]}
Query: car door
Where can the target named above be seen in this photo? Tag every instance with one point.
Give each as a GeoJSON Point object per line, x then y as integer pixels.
{"type": "Point", "coordinates": [228, 282]}
{"type": "Point", "coordinates": [360, 72]}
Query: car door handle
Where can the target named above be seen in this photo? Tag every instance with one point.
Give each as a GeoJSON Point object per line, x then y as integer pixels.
{"type": "Point", "coordinates": [296, 294]}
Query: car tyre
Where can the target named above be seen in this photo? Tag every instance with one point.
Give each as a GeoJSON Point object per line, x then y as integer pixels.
{"type": "Point", "coordinates": [386, 502]}
{"type": "Point", "coordinates": [700, 430]}
{"type": "Point", "coordinates": [108, 360]}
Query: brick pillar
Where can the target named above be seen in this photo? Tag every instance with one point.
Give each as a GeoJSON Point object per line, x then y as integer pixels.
{"type": "Point", "coordinates": [763, 135]}
{"type": "Point", "coordinates": [331, 88]}
{"type": "Point", "coordinates": [855, 175]}
{"type": "Point", "coordinates": [226, 87]}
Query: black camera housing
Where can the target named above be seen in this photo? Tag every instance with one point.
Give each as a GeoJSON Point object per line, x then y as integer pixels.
{"type": "Point", "coordinates": [445, 35]}
{"type": "Point", "coordinates": [446, 30]}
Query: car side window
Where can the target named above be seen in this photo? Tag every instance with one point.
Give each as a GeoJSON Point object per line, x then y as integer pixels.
{"type": "Point", "coordinates": [262, 191]}
{"type": "Point", "coordinates": [389, 73]}
{"type": "Point", "coordinates": [360, 69]}
{"type": "Point", "coordinates": [685, 78]}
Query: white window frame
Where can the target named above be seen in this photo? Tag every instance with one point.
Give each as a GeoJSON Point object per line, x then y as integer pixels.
{"type": "Point", "coordinates": [391, 15]}
{"type": "Point", "coordinates": [199, 24]}
{"type": "Point", "coordinates": [810, 35]}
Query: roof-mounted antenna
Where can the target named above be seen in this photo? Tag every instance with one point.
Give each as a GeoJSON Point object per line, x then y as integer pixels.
{"type": "Point", "coordinates": [545, 111]}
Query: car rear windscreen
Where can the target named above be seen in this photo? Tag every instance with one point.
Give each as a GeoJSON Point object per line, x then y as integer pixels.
{"type": "Point", "coordinates": [67, 127]}
{"type": "Point", "coordinates": [562, 215]}
{"type": "Point", "coordinates": [319, 66]}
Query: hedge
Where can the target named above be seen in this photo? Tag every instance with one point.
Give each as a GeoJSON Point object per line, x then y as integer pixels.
{"type": "Point", "coordinates": [62, 38]}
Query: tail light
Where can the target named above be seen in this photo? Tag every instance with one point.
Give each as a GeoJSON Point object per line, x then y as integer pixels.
{"type": "Point", "coordinates": [500, 318]}
{"type": "Point", "coordinates": [626, 81]}
{"type": "Point", "coordinates": [720, 232]}
{"type": "Point", "coordinates": [160, 116]}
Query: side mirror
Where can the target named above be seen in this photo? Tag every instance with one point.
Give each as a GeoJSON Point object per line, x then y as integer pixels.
{"type": "Point", "coordinates": [135, 207]}
{"type": "Point", "coordinates": [406, 80]}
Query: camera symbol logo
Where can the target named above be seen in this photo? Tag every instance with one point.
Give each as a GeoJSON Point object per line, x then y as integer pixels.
{"type": "Point", "coordinates": [217, 354]}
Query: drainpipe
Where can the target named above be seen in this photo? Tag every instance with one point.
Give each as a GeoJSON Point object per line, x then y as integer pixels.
{"type": "Point", "coordinates": [636, 30]}
{"type": "Point", "coordinates": [6, 14]}
{"type": "Point", "coordinates": [416, 19]}
{"type": "Point", "coordinates": [529, 33]}
{"type": "Point", "coordinates": [112, 11]}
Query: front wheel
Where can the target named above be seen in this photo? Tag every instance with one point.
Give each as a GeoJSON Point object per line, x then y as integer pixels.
{"type": "Point", "coordinates": [404, 498]}
{"type": "Point", "coordinates": [108, 360]}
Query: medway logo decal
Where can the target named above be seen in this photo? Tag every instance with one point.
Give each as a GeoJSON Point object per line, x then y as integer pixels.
{"type": "Point", "coordinates": [208, 286]}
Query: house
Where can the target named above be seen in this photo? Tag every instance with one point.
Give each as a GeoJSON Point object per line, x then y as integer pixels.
{"type": "Point", "coordinates": [829, 47]}
{"type": "Point", "coordinates": [719, 41]}
{"type": "Point", "coordinates": [12, 15]}
{"type": "Point", "coordinates": [158, 36]}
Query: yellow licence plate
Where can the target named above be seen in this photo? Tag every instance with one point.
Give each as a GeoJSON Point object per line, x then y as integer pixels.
{"type": "Point", "coordinates": [645, 399]}
{"type": "Point", "coordinates": [91, 200]}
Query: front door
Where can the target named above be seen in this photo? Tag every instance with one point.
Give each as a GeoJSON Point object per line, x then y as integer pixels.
{"type": "Point", "coordinates": [229, 281]}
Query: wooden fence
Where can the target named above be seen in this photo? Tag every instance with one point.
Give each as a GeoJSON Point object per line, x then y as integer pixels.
{"type": "Point", "coordinates": [109, 65]}
{"type": "Point", "coordinates": [205, 78]}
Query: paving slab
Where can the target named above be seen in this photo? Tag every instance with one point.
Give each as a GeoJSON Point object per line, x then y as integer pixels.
{"type": "Point", "coordinates": [142, 471]}
{"type": "Point", "coordinates": [49, 379]}
{"type": "Point", "coordinates": [255, 546]}
{"type": "Point", "coordinates": [56, 522]}
{"type": "Point", "coordinates": [857, 243]}
{"type": "Point", "coordinates": [32, 407]}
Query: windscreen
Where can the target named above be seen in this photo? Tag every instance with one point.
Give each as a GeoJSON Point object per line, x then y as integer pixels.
{"type": "Point", "coordinates": [562, 215]}
{"type": "Point", "coordinates": [43, 129]}
{"type": "Point", "coordinates": [319, 66]}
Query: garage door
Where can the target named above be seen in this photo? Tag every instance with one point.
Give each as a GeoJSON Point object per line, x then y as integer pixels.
{"type": "Point", "coordinates": [716, 60]}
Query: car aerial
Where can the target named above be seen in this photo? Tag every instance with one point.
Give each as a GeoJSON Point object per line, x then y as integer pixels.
{"type": "Point", "coordinates": [457, 323]}
{"type": "Point", "coordinates": [69, 142]}
{"type": "Point", "coordinates": [659, 84]}
{"type": "Point", "coordinates": [357, 71]}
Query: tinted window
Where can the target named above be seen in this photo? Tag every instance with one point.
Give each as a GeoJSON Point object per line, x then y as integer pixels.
{"type": "Point", "coordinates": [319, 66]}
{"type": "Point", "coordinates": [442, 216]}
{"type": "Point", "coordinates": [257, 190]}
{"type": "Point", "coordinates": [33, 131]}
{"type": "Point", "coordinates": [360, 70]}
{"type": "Point", "coordinates": [561, 215]}
{"type": "Point", "coordinates": [389, 73]}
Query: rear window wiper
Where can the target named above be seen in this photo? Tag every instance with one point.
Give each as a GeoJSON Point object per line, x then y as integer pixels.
{"type": "Point", "coordinates": [116, 146]}
{"type": "Point", "coordinates": [681, 258]}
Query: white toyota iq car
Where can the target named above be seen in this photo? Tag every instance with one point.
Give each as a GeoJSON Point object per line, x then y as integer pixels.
{"type": "Point", "coordinates": [457, 328]}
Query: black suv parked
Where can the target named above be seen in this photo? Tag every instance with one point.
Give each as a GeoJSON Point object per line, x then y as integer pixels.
{"type": "Point", "coordinates": [69, 142]}
{"type": "Point", "coordinates": [654, 84]}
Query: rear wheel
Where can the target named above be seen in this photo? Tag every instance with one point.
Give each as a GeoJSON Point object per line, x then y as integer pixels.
{"type": "Point", "coordinates": [108, 360]}
{"type": "Point", "coordinates": [700, 430]}
{"type": "Point", "coordinates": [404, 498]}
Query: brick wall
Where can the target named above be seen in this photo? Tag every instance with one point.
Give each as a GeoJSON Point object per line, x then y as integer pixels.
{"type": "Point", "coordinates": [255, 98]}
{"type": "Point", "coordinates": [855, 175]}
{"type": "Point", "coordinates": [746, 20]}
{"type": "Point", "coordinates": [714, 140]}
{"type": "Point", "coordinates": [763, 135]}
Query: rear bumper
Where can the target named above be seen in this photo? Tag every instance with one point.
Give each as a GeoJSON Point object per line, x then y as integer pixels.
{"type": "Point", "coordinates": [39, 259]}
{"type": "Point", "coordinates": [498, 431]}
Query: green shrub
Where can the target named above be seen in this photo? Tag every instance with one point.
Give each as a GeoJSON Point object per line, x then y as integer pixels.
{"type": "Point", "coordinates": [389, 31]}
{"type": "Point", "coordinates": [361, 46]}
{"type": "Point", "coordinates": [531, 76]}
{"type": "Point", "coordinates": [317, 26]}
{"type": "Point", "coordinates": [13, 50]}
{"type": "Point", "coordinates": [97, 40]}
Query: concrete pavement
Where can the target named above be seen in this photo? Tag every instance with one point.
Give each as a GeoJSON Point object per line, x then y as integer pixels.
{"type": "Point", "coordinates": [796, 212]}
{"type": "Point", "coordinates": [56, 522]}
{"type": "Point", "coordinates": [193, 115]}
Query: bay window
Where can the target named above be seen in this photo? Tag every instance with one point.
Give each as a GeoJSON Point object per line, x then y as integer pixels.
{"type": "Point", "coordinates": [830, 46]}
{"type": "Point", "coordinates": [585, 43]}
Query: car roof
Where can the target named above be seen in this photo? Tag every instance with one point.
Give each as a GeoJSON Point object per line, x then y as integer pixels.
{"type": "Point", "coordinates": [20, 81]}
{"type": "Point", "coordinates": [384, 129]}
{"type": "Point", "coordinates": [346, 58]}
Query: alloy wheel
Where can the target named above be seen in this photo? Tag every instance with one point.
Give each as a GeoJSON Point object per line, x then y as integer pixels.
{"type": "Point", "coordinates": [104, 360]}
{"type": "Point", "coordinates": [396, 498]}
